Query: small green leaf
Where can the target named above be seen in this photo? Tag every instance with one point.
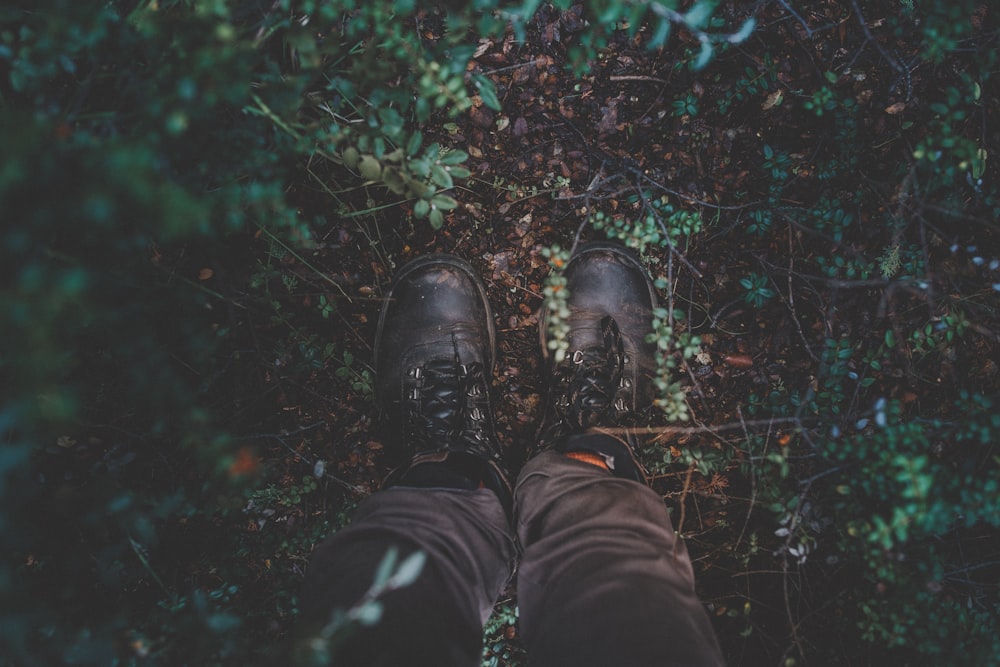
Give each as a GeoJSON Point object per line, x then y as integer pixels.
{"type": "Point", "coordinates": [370, 168]}
{"type": "Point", "coordinates": [698, 15]}
{"type": "Point", "coordinates": [441, 177]}
{"type": "Point", "coordinates": [223, 622]}
{"type": "Point", "coordinates": [662, 33]}
{"type": "Point", "coordinates": [393, 179]}
{"type": "Point", "coordinates": [385, 567]}
{"type": "Point", "coordinates": [704, 57]}
{"type": "Point", "coordinates": [422, 190]}
{"type": "Point", "coordinates": [394, 156]}
{"type": "Point", "coordinates": [369, 613]}
{"type": "Point", "coordinates": [351, 157]}
{"type": "Point", "coordinates": [979, 164]}
{"type": "Point", "coordinates": [454, 157]}
{"type": "Point", "coordinates": [421, 208]}
{"type": "Point", "coordinates": [409, 570]}
{"type": "Point", "coordinates": [414, 144]}
{"type": "Point", "coordinates": [487, 91]}
{"type": "Point", "coordinates": [436, 218]}
{"type": "Point", "coordinates": [444, 202]}
{"type": "Point", "coordinates": [744, 32]}
{"type": "Point", "coordinates": [432, 152]}
{"type": "Point", "coordinates": [611, 14]}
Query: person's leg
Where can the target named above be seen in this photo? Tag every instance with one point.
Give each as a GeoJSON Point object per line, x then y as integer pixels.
{"type": "Point", "coordinates": [434, 352]}
{"type": "Point", "coordinates": [603, 579]}
{"type": "Point", "coordinates": [438, 619]}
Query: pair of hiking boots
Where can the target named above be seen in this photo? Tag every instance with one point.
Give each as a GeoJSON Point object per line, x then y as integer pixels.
{"type": "Point", "coordinates": [434, 357]}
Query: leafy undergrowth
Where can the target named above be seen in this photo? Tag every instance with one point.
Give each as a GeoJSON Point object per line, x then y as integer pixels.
{"type": "Point", "coordinates": [834, 250]}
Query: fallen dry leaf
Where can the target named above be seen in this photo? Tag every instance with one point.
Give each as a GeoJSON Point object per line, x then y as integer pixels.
{"type": "Point", "coordinates": [741, 361]}
{"type": "Point", "coordinates": [773, 100]}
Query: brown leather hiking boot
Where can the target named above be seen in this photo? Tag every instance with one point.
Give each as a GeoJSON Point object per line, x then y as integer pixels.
{"type": "Point", "coordinates": [434, 356]}
{"type": "Point", "coordinates": [606, 379]}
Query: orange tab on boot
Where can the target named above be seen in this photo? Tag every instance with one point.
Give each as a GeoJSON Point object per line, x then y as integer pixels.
{"type": "Point", "coordinates": [587, 457]}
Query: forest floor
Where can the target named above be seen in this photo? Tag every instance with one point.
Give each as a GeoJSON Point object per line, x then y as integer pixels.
{"type": "Point", "coordinates": [763, 145]}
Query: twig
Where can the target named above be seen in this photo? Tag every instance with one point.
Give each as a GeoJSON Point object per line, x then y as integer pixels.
{"type": "Point", "coordinates": [674, 252]}
{"type": "Point", "coordinates": [970, 568]}
{"type": "Point", "coordinates": [788, 607]}
{"type": "Point", "coordinates": [753, 478]}
{"type": "Point", "coordinates": [868, 35]}
{"type": "Point", "coordinates": [791, 298]}
{"type": "Point", "coordinates": [684, 494]}
{"type": "Point", "coordinates": [264, 110]}
{"type": "Point", "coordinates": [714, 319]}
{"type": "Point", "coordinates": [794, 520]}
{"type": "Point", "coordinates": [345, 484]}
{"type": "Point", "coordinates": [692, 199]}
{"type": "Point", "coordinates": [198, 286]}
{"type": "Point", "coordinates": [637, 77]}
{"type": "Point", "coordinates": [802, 22]}
{"type": "Point", "coordinates": [303, 261]}
{"type": "Point", "coordinates": [800, 423]}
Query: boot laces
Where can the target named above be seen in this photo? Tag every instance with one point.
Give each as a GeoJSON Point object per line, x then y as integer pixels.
{"type": "Point", "coordinates": [447, 407]}
{"type": "Point", "coordinates": [587, 386]}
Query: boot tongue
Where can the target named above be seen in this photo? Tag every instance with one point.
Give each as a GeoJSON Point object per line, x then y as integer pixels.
{"type": "Point", "coordinates": [614, 348]}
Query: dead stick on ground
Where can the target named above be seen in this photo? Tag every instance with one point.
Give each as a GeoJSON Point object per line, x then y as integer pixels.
{"type": "Point", "coordinates": [694, 430]}
{"type": "Point", "coordinates": [788, 608]}
{"type": "Point", "coordinates": [684, 493]}
{"type": "Point", "coordinates": [637, 77]}
{"type": "Point", "coordinates": [791, 298]}
{"type": "Point", "coordinates": [753, 478]}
